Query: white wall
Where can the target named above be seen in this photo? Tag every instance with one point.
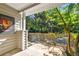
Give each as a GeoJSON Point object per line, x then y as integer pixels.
{"type": "Point", "coordinates": [12, 40]}
{"type": "Point", "coordinates": [7, 43]}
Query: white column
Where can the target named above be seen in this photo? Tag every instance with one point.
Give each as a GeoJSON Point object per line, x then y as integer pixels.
{"type": "Point", "coordinates": [24, 33]}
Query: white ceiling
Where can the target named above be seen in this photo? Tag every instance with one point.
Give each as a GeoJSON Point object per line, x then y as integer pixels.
{"type": "Point", "coordinates": [33, 9]}
{"type": "Point", "coordinates": [19, 6]}
{"type": "Point", "coordinates": [42, 7]}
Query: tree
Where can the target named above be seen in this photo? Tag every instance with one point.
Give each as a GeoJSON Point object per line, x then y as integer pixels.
{"type": "Point", "coordinates": [68, 26]}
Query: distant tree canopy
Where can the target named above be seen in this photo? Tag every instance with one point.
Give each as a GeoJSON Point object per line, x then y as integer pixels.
{"type": "Point", "coordinates": [50, 20]}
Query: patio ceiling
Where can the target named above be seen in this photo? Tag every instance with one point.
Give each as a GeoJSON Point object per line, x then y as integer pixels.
{"type": "Point", "coordinates": [42, 7]}
{"type": "Point", "coordinates": [21, 6]}
{"type": "Point", "coordinates": [31, 8]}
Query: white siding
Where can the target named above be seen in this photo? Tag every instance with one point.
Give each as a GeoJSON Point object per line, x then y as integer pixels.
{"type": "Point", "coordinates": [12, 40]}
{"type": "Point", "coordinates": [8, 44]}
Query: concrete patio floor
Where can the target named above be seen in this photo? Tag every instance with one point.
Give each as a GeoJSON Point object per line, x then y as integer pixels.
{"type": "Point", "coordinates": [38, 50]}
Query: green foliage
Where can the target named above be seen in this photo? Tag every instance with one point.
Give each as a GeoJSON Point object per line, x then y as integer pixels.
{"type": "Point", "coordinates": [50, 21]}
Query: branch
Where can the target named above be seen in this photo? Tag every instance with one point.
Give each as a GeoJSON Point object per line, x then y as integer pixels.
{"type": "Point", "coordinates": [61, 18]}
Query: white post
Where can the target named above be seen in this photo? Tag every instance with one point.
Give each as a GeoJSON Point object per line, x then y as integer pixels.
{"type": "Point", "coordinates": [24, 33]}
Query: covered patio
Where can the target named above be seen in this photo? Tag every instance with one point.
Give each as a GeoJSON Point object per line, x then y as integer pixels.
{"type": "Point", "coordinates": [21, 44]}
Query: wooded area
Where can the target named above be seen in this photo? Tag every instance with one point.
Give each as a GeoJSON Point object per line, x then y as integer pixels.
{"type": "Point", "coordinates": [54, 20]}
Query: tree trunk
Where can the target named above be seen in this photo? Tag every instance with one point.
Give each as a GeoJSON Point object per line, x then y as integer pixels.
{"type": "Point", "coordinates": [76, 46]}
{"type": "Point", "coordinates": [68, 44]}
